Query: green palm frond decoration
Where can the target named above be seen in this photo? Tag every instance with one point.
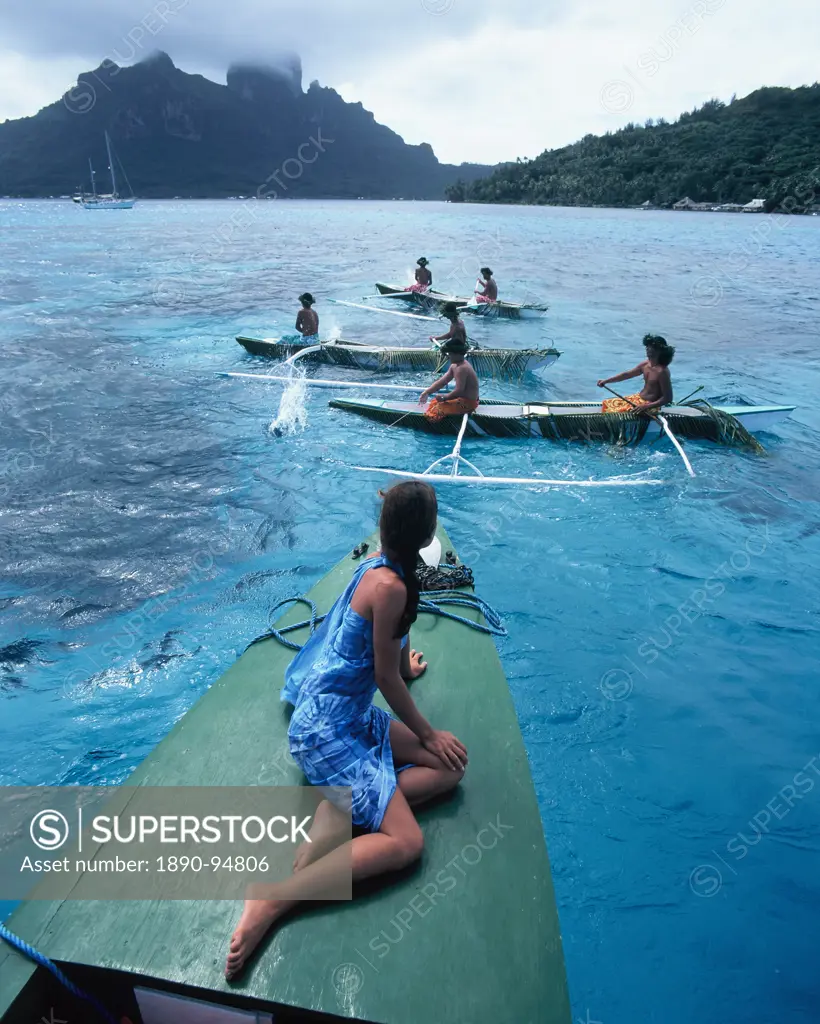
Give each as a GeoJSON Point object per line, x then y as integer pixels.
{"type": "Point", "coordinates": [723, 428]}
{"type": "Point", "coordinates": [613, 428]}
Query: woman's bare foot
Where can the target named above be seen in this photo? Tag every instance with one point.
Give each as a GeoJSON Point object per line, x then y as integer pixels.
{"type": "Point", "coordinates": [257, 917]}
{"type": "Point", "coordinates": [330, 828]}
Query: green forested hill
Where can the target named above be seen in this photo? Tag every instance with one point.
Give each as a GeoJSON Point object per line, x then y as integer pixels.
{"type": "Point", "coordinates": [765, 146]}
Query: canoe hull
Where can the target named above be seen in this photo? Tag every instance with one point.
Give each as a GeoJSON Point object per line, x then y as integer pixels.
{"type": "Point", "coordinates": [570, 421]}
{"type": "Point", "coordinates": [470, 935]}
{"type": "Point", "coordinates": [491, 310]}
{"type": "Point", "coordinates": [503, 364]}
{"type": "Point", "coordinates": [500, 311]}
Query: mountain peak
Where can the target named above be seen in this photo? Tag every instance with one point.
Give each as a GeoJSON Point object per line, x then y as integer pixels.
{"type": "Point", "coordinates": [180, 134]}
{"type": "Point", "coordinates": [252, 79]}
{"type": "Point", "coordinates": [160, 60]}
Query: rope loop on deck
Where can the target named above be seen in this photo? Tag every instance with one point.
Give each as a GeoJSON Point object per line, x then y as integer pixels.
{"type": "Point", "coordinates": [492, 624]}
{"type": "Point", "coordinates": [433, 604]}
{"type": "Point", "coordinates": [40, 958]}
{"type": "Point", "coordinates": [279, 634]}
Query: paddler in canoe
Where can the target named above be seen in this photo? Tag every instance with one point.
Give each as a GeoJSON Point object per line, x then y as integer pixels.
{"type": "Point", "coordinates": [424, 278]}
{"type": "Point", "coordinates": [457, 331]}
{"type": "Point", "coordinates": [486, 290]}
{"type": "Point", "coordinates": [657, 381]}
{"type": "Point", "coordinates": [307, 319]}
{"type": "Point", "coordinates": [464, 396]}
{"type": "Point", "coordinates": [339, 738]}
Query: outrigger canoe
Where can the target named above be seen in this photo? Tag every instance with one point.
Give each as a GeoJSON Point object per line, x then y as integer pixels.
{"type": "Point", "coordinates": [576, 421]}
{"type": "Point", "coordinates": [435, 300]}
{"type": "Point", "coordinates": [501, 363]}
{"type": "Point", "coordinates": [470, 936]}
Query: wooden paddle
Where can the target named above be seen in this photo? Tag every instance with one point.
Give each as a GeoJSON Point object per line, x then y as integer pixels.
{"type": "Point", "coordinates": [683, 401]}
{"type": "Point", "coordinates": [690, 395]}
{"type": "Point", "coordinates": [664, 425]}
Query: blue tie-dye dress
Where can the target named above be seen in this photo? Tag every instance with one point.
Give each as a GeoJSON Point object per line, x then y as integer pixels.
{"type": "Point", "coordinates": [337, 736]}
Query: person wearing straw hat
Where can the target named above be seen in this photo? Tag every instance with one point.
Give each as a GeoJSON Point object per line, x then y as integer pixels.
{"type": "Point", "coordinates": [307, 319]}
{"type": "Point", "coordinates": [489, 288]}
{"type": "Point", "coordinates": [424, 278]}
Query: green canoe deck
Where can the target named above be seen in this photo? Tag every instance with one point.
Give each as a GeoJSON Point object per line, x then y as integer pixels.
{"type": "Point", "coordinates": [469, 936]}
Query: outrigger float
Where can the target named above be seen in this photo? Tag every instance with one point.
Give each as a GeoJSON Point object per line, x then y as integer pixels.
{"type": "Point", "coordinates": [498, 363]}
{"type": "Point", "coordinates": [469, 936]}
{"type": "Point", "coordinates": [499, 309]}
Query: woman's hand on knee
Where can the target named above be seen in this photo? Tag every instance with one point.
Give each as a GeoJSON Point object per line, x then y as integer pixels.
{"type": "Point", "coordinates": [448, 749]}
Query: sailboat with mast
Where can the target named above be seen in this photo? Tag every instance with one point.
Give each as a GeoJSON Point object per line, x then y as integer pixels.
{"type": "Point", "coordinates": [113, 200]}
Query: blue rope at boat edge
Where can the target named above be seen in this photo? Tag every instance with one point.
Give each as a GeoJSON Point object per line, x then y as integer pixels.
{"type": "Point", "coordinates": [43, 961]}
{"type": "Point", "coordinates": [433, 604]}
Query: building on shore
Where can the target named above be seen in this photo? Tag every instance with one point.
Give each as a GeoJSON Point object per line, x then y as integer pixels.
{"type": "Point", "coordinates": [690, 204]}
{"type": "Point", "coordinates": [755, 206]}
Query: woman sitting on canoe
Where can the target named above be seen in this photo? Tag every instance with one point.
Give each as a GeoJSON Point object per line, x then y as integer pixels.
{"type": "Point", "coordinates": [424, 279]}
{"type": "Point", "coordinates": [338, 737]}
{"type": "Point", "coordinates": [307, 319]}
{"type": "Point", "coordinates": [489, 292]}
{"type": "Point", "coordinates": [657, 381]}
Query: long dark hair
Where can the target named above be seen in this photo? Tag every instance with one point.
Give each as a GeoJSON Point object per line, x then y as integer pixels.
{"type": "Point", "coordinates": [664, 352]}
{"type": "Point", "coordinates": [408, 520]}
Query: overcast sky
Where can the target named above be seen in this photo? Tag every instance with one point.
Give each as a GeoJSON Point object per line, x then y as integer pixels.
{"type": "Point", "coordinates": [479, 80]}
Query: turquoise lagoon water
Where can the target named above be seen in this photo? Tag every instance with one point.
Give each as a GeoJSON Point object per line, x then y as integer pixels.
{"type": "Point", "coordinates": [663, 642]}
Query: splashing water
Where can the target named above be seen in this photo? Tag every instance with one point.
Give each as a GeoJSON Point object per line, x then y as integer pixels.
{"type": "Point", "coordinates": [292, 414]}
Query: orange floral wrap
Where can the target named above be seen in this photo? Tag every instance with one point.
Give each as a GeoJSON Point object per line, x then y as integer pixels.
{"type": "Point", "coordinates": [438, 408]}
{"type": "Point", "coordinates": [621, 404]}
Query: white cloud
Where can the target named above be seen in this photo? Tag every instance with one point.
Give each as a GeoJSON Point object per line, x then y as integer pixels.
{"type": "Point", "coordinates": [27, 84]}
{"type": "Point", "coordinates": [482, 81]}
{"type": "Point", "coordinates": [503, 93]}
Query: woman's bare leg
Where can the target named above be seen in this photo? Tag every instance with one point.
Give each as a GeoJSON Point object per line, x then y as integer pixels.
{"type": "Point", "coordinates": [330, 828]}
{"type": "Point", "coordinates": [398, 843]}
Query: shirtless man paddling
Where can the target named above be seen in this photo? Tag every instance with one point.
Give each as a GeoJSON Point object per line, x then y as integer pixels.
{"type": "Point", "coordinates": [424, 279]}
{"type": "Point", "coordinates": [464, 396]}
{"type": "Point", "coordinates": [657, 381]}
{"type": "Point", "coordinates": [457, 331]}
{"type": "Point", "coordinates": [490, 292]}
